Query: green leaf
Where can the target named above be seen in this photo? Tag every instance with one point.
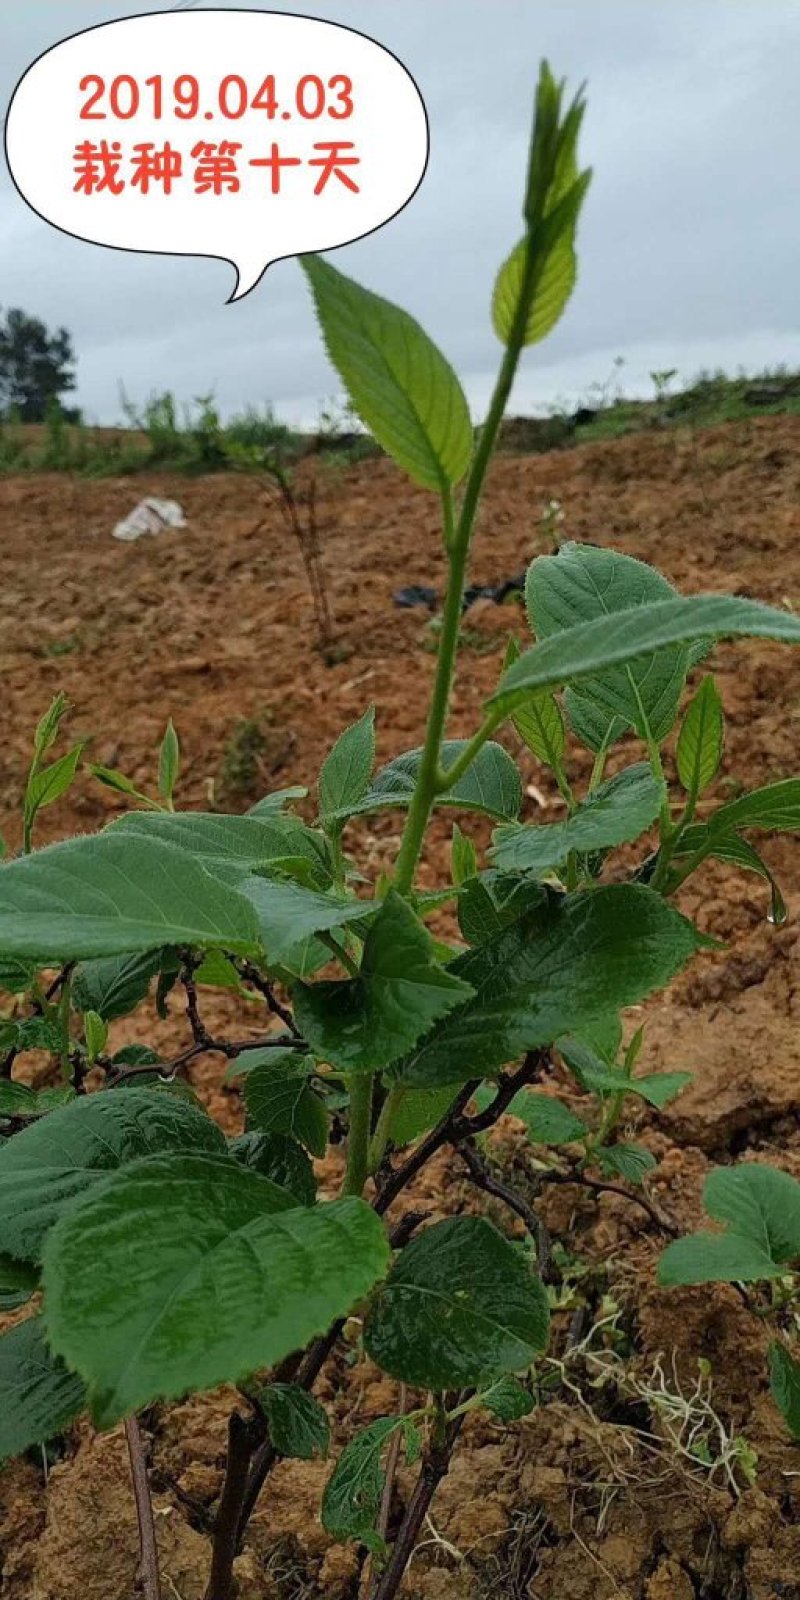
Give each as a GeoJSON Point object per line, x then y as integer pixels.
{"type": "Point", "coordinates": [784, 1382]}
{"type": "Point", "coordinates": [583, 582]}
{"type": "Point", "coordinates": [539, 723]}
{"type": "Point", "coordinates": [629, 1161]}
{"type": "Point", "coordinates": [96, 1034]}
{"type": "Point", "coordinates": [776, 806]}
{"type": "Point", "coordinates": [491, 902]}
{"type": "Point", "coordinates": [603, 1034]}
{"type": "Point", "coordinates": [463, 857]}
{"type": "Point", "coordinates": [280, 1159]}
{"type": "Point", "coordinates": [759, 1202]}
{"type": "Point", "coordinates": [538, 720]}
{"type": "Point", "coordinates": [216, 971]}
{"type": "Point", "coordinates": [49, 783]}
{"type": "Point", "coordinates": [223, 1274]}
{"type": "Point", "coordinates": [364, 1023]}
{"type": "Point", "coordinates": [715, 1258]}
{"type": "Point", "coordinates": [508, 1399]}
{"type": "Point", "coordinates": [619, 810]}
{"type": "Point", "coordinates": [298, 1425]}
{"type": "Point", "coordinates": [345, 775]}
{"type": "Point", "coordinates": [491, 783]}
{"type": "Point", "coordinates": [417, 1110]}
{"type": "Point", "coordinates": [48, 725]}
{"type": "Point", "coordinates": [279, 1099]}
{"type": "Point", "coordinates": [761, 1207]}
{"type": "Point", "coordinates": [112, 779]}
{"type": "Point", "coordinates": [17, 1100]}
{"type": "Point", "coordinates": [699, 748]}
{"type": "Point", "coordinates": [743, 854]}
{"type": "Point", "coordinates": [564, 963]}
{"type": "Point", "coordinates": [595, 728]}
{"type": "Point", "coordinates": [169, 762]}
{"type": "Point", "coordinates": [598, 1077]}
{"type": "Point", "coordinates": [39, 1397]}
{"type": "Point", "coordinates": [269, 804]}
{"type": "Point", "coordinates": [289, 916]}
{"type": "Point", "coordinates": [107, 894]}
{"type": "Point", "coordinates": [43, 1168]}
{"type": "Point", "coordinates": [353, 1493]}
{"type": "Point", "coordinates": [279, 1054]}
{"type": "Point", "coordinates": [552, 161]}
{"type": "Point", "coordinates": [233, 847]}
{"type": "Point", "coordinates": [399, 383]}
{"type": "Point", "coordinates": [16, 976]}
{"type": "Point", "coordinates": [115, 985]}
{"type": "Point", "coordinates": [459, 1307]}
{"type": "Point", "coordinates": [547, 1120]}
{"type": "Point", "coordinates": [579, 654]}
{"type": "Point", "coordinates": [555, 280]}
{"type": "Point", "coordinates": [31, 1033]}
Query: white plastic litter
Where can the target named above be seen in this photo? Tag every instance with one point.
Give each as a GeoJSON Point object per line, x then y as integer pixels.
{"type": "Point", "coordinates": [150, 516]}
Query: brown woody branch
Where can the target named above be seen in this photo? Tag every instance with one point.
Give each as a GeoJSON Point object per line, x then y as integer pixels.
{"type": "Point", "coordinates": [148, 1550]}
{"type": "Point", "coordinates": [434, 1468]}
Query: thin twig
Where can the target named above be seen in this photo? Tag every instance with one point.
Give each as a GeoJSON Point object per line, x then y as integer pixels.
{"type": "Point", "coordinates": [599, 1186]}
{"type": "Point", "coordinates": [485, 1180]}
{"type": "Point", "coordinates": [392, 1463]}
{"type": "Point", "coordinates": [454, 1127]}
{"type": "Point", "coordinates": [435, 1467]}
{"type": "Point", "coordinates": [148, 1550]}
{"type": "Point", "coordinates": [262, 985]}
{"type": "Point", "coordinates": [230, 1048]}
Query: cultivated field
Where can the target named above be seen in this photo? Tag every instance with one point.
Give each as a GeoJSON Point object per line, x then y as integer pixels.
{"type": "Point", "coordinates": [646, 1476]}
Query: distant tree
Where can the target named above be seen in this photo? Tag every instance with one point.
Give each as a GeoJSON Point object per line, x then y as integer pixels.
{"type": "Point", "coordinates": [36, 366]}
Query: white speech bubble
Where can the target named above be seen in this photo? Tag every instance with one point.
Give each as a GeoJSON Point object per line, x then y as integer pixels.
{"type": "Point", "coordinates": [105, 136]}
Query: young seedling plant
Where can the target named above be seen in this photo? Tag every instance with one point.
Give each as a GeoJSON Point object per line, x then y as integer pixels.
{"type": "Point", "coordinates": [158, 1257]}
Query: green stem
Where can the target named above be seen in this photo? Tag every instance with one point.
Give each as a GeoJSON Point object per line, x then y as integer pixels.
{"type": "Point", "coordinates": [380, 1137]}
{"type": "Point", "coordinates": [425, 790]}
{"type": "Point", "coordinates": [680, 874]}
{"type": "Point", "coordinates": [360, 1120]}
{"type": "Point", "coordinates": [457, 541]}
{"type": "Point", "coordinates": [599, 768]}
{"type": "Point", "coordinates": [564, 788]}
{"type": "Point", "coordinates": [448, 779]}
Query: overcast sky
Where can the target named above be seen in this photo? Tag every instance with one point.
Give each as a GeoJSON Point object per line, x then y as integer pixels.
{"type": "Point", "coordinates": [689, 243]}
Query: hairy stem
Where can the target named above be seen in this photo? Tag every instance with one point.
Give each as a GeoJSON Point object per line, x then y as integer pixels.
{"type": "Point", "coordinates": [425, 791]}
{"type": "Point", "coordinates": [148, 1550]}
{"type": "Point", "coordinates": [358, 1134]}
{"type": "Point", "coordinates": [458, 545]}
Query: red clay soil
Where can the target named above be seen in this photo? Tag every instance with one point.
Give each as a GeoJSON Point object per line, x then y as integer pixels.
{"type": "Point", "coordinates": [596, 1496]}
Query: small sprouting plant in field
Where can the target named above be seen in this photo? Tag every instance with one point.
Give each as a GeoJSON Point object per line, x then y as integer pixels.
{"type": "Point", "coordinates": [255, 748]}
{"type": "Point", "coordinates": [662, 383]}
{"type": "Point", "coordinates": [551, 519]}
{"type": "Point", "coordinates": [298, 505]}
{"type": "Point", "coordinates": [758, 1244]}
{"type": "Point", "coordinates": [168, 1258]}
